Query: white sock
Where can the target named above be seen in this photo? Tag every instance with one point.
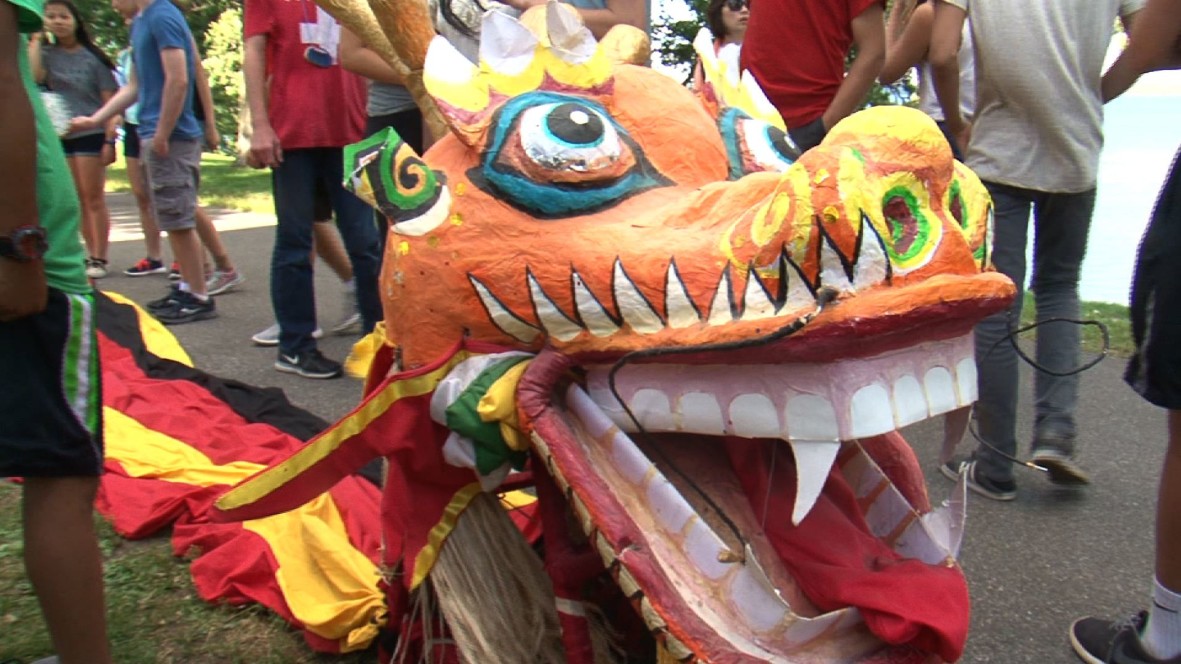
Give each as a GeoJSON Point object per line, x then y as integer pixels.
{"type": "Point", "coordinates": [1162, 634]}
{"type": "Point", "coordinates": [183, 286]}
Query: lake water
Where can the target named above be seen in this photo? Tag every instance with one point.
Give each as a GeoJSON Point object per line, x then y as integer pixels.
{"type": "Point", "coordinates": [1141, 134]}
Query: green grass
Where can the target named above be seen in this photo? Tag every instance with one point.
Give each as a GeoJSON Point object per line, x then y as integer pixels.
{"type": "Point", "coordinates": [1113, 316]}
{"type": "Point", "coordinates": [153, 612]}
{"type": "Point", "coordinates": [224, 184]}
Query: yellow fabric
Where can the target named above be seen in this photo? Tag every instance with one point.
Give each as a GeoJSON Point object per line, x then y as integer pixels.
{"type": "Point", "coordinates": [426, 558]}
{"type": "Point", "coordinates": [517, 499]}
{"type": "Point", "coordinates": [363, 352]}
{"type": "Point", "coordinates": [499, 404]}
{"type": "Point", "coordinates": [332, 590]}
{"type": "Point", "coordinates": [157, 339]}
{"type": "Point", "coordinates": [329, 441]}
{"type": "Point", "coordinates": [329, 587]}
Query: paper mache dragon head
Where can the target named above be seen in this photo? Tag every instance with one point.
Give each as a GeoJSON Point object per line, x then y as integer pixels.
{"type": "Point", "coordinates": [697, 344]}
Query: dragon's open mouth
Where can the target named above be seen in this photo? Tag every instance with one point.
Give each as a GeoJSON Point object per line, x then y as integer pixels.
{"type": "Point", "coordinates": [780, 455]}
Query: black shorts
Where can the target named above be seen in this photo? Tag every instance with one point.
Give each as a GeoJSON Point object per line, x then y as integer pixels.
{"type": "Point", "coordinates": [84, 146]}
{"type": "Point", "coordinates": [50, 391]}
{"type": "Point", "coordinates": [1155, 370]}
{"type": "Point", "coordinates": [321, 203]}
{"type": "Point", "coordinates": [130, 141]}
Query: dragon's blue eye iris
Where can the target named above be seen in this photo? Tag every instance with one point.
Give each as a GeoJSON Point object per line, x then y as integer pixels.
{"type": "Point", "coordinates": [755, 146]}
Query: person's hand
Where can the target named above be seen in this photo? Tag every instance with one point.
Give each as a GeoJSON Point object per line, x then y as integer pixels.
{"type": "Point", "coordinates": [264, 147]}
{"type": "Point", "coordinates": [108, 153]}
{"type": "Point", "coordinates": [212, 138]}
{"type": "Point", "coordinates": [23, 291]}
{"type": "Point", "coordinates": [82, 123]}
{"type": "Point", "coordinates": [963, 137]}
{"type": "Point", "coordinates": [160, 145]}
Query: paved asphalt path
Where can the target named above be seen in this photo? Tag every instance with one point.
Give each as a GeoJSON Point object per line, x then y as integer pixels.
{"type": "Point", "coordinates": [1033, 565]}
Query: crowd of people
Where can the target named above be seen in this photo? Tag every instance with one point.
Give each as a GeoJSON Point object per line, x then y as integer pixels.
{"type": "Point", "coordinates": [995, 77]}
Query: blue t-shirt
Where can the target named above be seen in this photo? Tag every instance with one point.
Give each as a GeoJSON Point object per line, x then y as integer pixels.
{"type": "Point", "coordinates": [161, 26]}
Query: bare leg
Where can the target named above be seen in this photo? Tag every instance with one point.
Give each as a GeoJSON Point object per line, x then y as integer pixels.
{"type": "Point", "coordinates": [1168, 511]}
{"type": "Point", "coordinates": [65, 566]}
{"type": "Point", "coordinates": [87, 224]}
{"type": "Point", "coordinates": [147, 216]}
{"type": "Point", "coordinates": [90, 179]}
{"type": "Point", "coordinates": [186, 248]}
{"type": "Point", "coordinates": [327, 243]}
{"type": "Point", "coordinates": [212, 240]}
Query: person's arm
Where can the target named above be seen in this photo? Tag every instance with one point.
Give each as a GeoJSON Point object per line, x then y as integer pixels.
{"type": "Point", "coordinates": [358, 58]}
{"type": "Point", "coordinates": [600, 21]}
{"type": "Point", "coordinates": [1154, 43]}
{"type": "Point", "coordinates": [122, 99]}
{"type": "Point", "coordinates": [205, 97]}
{"type": "Point", "coordinates": [36, 62]}
{"type": "Point", "coordinates": [946, 34]}
{"type": "Point", "coordinates": [172, 103]}
{"type": "Point", "coordinates": [869, 37]}
{"type": "Point", "coordinates": [112, 129]}
{"type": "Point", "coordinates": [264, 144]}
{"type": "Point", "coordinates": [906, 45]}
{"type": "Point", "coordinates": [23, 291]}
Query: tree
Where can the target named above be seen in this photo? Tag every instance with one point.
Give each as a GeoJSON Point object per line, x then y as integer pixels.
{"type": "Point", "coordinates": [223, 61]}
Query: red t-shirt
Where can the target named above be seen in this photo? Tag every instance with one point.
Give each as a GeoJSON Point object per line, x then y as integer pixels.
{"type": "Point", "coordinates": [796, 51]}
{"type": "Point", "coordinates": [309, 106]}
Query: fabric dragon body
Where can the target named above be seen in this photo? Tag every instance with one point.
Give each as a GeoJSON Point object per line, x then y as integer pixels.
{"type": "Point", "coordinates": [697, 350]}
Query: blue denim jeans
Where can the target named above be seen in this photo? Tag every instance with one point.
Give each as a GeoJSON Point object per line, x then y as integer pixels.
{"type": "Point", "coordinates": [1061, 224]}
{"type": "Point", "coordinates": [292, 290]}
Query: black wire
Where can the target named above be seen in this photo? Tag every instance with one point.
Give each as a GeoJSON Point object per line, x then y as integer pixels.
{"type": "Point", "coordinates": [825, 296]}
{"type": "Point", "coordinates": [1011, 337]}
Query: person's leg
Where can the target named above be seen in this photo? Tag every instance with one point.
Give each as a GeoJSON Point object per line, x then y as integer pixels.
{"type": "Point", "coordinates": [1061, 223]}
{"type": "Point", "coordinates": [212, 241]}
{"type": "Point", "coordinates": [996, 361]}
{"type": "Point", "coordinates": [330, 249]}
{"type": "Point", "coordinates": [359, 232]}
{"type": "Point", "coordinates": [92, 180]}
{"type": "Point", "coordinates": [147, 218]}
{"type": "Point", "coordinates": [1162, 632]}
{"type": "Point", "coordinates": [292, 285]}
{"type": "Point", "coordinates": [64, 565]}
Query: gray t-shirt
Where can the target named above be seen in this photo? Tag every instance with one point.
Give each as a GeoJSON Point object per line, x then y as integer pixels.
{"type": "Point", "coordinates": [386, 99]}
{"type": "Point", "coordinates": [1039, 115]}
{"type": "Point", "coordinates": [80, 78]}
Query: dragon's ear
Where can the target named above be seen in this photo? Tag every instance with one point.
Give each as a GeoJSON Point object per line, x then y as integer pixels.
{"type": "Point", "coordinates": [514, 59]}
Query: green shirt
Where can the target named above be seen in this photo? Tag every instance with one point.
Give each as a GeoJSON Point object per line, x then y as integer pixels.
{"type": "Point", "coordinates": [57, 201]}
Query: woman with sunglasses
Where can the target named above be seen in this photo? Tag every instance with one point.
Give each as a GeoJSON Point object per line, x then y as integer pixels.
{"type": "Point", "coordinates": [727, 20]}
{"type": "Point", "coordinates": [68, 63]}
{"type": "Point", "coordinates": [908, 38]}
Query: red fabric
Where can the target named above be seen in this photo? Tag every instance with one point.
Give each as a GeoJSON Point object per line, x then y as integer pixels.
{"type": "Point", "coordinates": [796, 51]}
{"type": "Point", "coordinates": [309, 106]}
{"type": "Point", "coordinates": [839, 563]}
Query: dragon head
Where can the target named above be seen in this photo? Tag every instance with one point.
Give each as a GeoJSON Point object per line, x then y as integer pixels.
{"type": "Point", "coordinates": [728, 334]}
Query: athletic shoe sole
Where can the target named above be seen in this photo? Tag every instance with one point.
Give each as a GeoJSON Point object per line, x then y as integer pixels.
{"type": "Point", "coordinates": [1062, 469]}
{"type": "Point", "coordinates": [270, 342]}
{"type": "Point", "coordinates": [190, 317]}
{"type": "Point", "coordinates": [300, 371]}
{"type": "Point", "coordinates": [159, 270]}
{"type": "Point", "coordinates": [993, 494]}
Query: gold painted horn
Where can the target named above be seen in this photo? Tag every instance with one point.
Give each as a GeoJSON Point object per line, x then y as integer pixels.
{"type": "Point", "coordinates": [409, 30]}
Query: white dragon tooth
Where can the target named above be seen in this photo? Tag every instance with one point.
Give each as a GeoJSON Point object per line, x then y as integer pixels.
{"type": "Point", "coordinates": [832, 267]}
{"type": "Point", "coordinates": [721, 309]}
{"type": "Point", "coordinates": [446, 64]}
{"type": "Point", "coordinates": [799, 294]}
{"type": "Point", "coordinates": [965, 380]}
{"type": "Point", "coordinates": [955, 425]}
{"type": "Point", "coordinates": [553, 319]}
{"type": "Point", "coordinates": [700, 413]}
{"type": "Point", "coordinates": [910, 404]}
{"type": "Point", "coordinates": [506, 320]}
{"type": "Point", "coordinates": [870, 412]}
{"type": "Point", "coordinates": [754, 416]}
{"type": "Point", "coordinates": [872, 265]}
{"type": "Point", "coordinates": [756, 304]}
{"type": "Point", "coordinates": [506, 45]}
{"type": "Point", "coordinates": [651, 407]}
{"type": "Point", "coordinates": [811, 417]}
{"type": "Point", "coordinates": [593, 315]}
{"type": "Point", "coordinates": [940, 390]}
{"type": "Point", "coordinates": [633, 306]}
{"type": "Point", "coordinates": [814, 460]}
{"type": "Point", "coordinates": [678, 306]}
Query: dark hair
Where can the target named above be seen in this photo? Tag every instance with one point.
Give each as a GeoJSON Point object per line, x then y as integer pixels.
{"type": "Point", "coordinates": [713, 18]}
{"type": "Point", "coordinates": [81, 34]}
{"type": "Point", "coordinates": [463, 28]}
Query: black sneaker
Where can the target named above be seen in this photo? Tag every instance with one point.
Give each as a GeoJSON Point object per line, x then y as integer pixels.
{"type": "Point", "coordinates": [979, 483]}
{"type": "Point", "coordinates": [146, 266]}
{"type": "Point", "coordinates": [156, 306]}
{"type": "Point", "coordinates": [1098, 641]}
{"type": "Point", "coordinates": [309, 364]}
{"type": "Point", "coordinates": [187, 308]}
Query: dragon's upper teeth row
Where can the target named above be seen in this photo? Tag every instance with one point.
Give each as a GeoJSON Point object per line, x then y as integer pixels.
{"type": "Point", "coordinates": [869, 266]}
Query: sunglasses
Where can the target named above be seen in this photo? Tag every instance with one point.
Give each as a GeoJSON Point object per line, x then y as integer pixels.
{"type": "Point", "coordinates": [737, 5]}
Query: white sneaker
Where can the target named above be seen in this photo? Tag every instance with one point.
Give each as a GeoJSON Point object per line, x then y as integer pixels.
{"type": "Point", "coordinates": [349, 324]}
{"type": "Point", "coordinates": [222, 281]}
{"type": "Point", "coordinates": [270, 336]}
{"type": "Point", "coordinates": [96, 268]}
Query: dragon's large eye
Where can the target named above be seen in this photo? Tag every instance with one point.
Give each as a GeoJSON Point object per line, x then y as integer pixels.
{"type": "Point", "coordinates": [755, 146]}
{"type": "Point", "coordinates": [971, 207]}
{"type": "Point", "coordinates": [915, 232]}
{"type": "Point", "coordinates": [557, 155]}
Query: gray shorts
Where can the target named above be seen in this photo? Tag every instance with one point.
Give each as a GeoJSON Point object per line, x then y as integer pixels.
{"type": "Point", "coordinates": [173, 182]}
